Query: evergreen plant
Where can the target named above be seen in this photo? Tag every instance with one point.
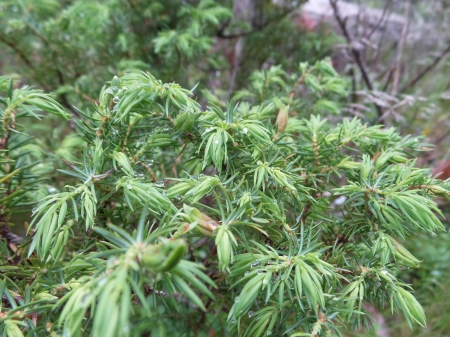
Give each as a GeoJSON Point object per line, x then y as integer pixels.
{"type": "Point", "coordinates": [176, 217]}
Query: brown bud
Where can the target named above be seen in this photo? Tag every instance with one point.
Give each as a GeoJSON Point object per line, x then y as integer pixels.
{"type": "Point", "coordinates": [205, 225]}
{"type": "Point", "coordinates": [282, 119]}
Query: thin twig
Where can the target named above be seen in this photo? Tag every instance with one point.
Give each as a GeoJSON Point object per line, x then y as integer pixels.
{"type": "Point", "coordinates": [433, 64]}
{"type": "Point", "coordinates": [354, 98]}
{"type": "Point", "coordinates": [388, 78]}
{"type": "Point", "coordinates": [400, 48]}
{"type": "Point", "coordinates": [11, 238]}
{"type": "Point", "coordinates": [356, 54]}
{"type": "Point", "coordinates": [441, 138]}
{"type": "Point", "coordinates": [377, 53]}
{"type": "Point", "coordinates": [238, 48]}
{"type": "Point", "coordinates": [85, 96]}
{"type": "Point", "coordinates": [64, 100]}
{"type": "Point", "coordinates": [178, 160]}
{"type": "Point", "coordinates": [27, 62]}
{"type": "Point", "coordinates": [380, 21]}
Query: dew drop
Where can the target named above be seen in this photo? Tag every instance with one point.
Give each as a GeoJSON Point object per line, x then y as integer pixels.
{"type": "Point", "coordinates": [126, 329]}
{"type": "Point", "coordinates": [130, 187]}
{"type": "Point", "coordinates": [51, 93]}
{"type": "Point", "coordinates": [384, 271]}
{"type": "Point", "coordinates": [127, 71]}
{"type": "Point", "coordinates": [245, 130]}
{"type": "Point", "coordinates": [178, 197]}
{"type": "Point", "coordinates": [269, 332]}
{"type": "Point", "coordinates": [159, 183]}
{"type": "Point", "coordinates": [164, 193]}
{"type": "Point", "coordinates": [34, 210]}
{"type": "Point", "coordinates": [251, 313]}
{"type": "Point", "coordinates": [233, 320]}
{"type": "Point", "coordinates": [236, 299]}
{"type": "Point", "coordinates": [51, 190]}
{"type": "Point", "coordinates": [66, 332]}
{"type": "Point", "coordinates": [260, 271]}
{"type": "Point", "coordinates": [81, 15]}
{"type": "Point", "coordinates": [340, 201]}
{"type": "Point", "coordinates": [150, 163]}
{"type": "Point", "coordinates": [112, 260]}
{"type": "Point", "coordinates": [114, 88]}
{"type": "Point", "coordinates": [116, 99]}
{"type": "Point", "coordinates": [102, 282]}
{"type": "Point", "coordinates": [216, 141]}
{"type": "Point", "coordinates": [15, 9]}
{"type": "Point", "coordinates": [245, 274]}
{"type": "Point", "coordinates": [85, 300]}
{"type": "Point", "coordinates": [255, 264]}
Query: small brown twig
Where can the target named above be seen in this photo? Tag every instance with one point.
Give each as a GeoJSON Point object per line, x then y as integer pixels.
{"type": "Point", "coordinates": [380, 21]}
{"type": "Point", "coordinates": [11, 238]}
{"type": "Point", "coordinates": [400, 48]}
{"type": "Point", "coordinates": [441, 138]}
{"type": "Point", "coordinates": [376, 56]}
{"type": "Point", "coordinates": [85, 96]}
{"type": "Point", "coordinates": [24, 58]}
{"type": "Point", "coordinates": [355, 52]}
{"type": "Point", "coordinates": [178, 160]}
{"type": "Point", "coordinates": [64, 100]}
{"type": "Point", "coordinates": [150, 171]}
{"type": "Point", "coordinates": [430, 67]}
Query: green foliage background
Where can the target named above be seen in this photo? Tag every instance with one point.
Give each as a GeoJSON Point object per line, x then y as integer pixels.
{"type": "Point", "coordinates": [192, 172]}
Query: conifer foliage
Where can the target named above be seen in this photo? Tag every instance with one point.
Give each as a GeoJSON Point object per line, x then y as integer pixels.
{"type": "Point", "coordinates": [253, 217]}
{"type": "Point", "coordinates": [177, 215]}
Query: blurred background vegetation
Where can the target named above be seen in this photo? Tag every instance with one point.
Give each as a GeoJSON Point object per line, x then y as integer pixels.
{"type": "Point", "coordinates": [392, 53]}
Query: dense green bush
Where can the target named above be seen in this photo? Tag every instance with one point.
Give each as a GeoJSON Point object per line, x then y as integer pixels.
{"type": "Point", "coordinates": [192, 218]}
{"type": "Point", "coordinates": [165, 215]}
{"type": "Point", "coordinates": [71, 47]}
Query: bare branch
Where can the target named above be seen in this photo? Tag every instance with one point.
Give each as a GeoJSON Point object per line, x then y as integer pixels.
{"type": "Point", "coordinates": [355, 52]}
{"type": "Point", "coordinates": [400, 48]}
{"type": "Point", "coordinates": [380, 21]}
{"type": "Point", "coordinates": [429, 68]}
{"type": "Point", "coordinates": [25, 59]}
